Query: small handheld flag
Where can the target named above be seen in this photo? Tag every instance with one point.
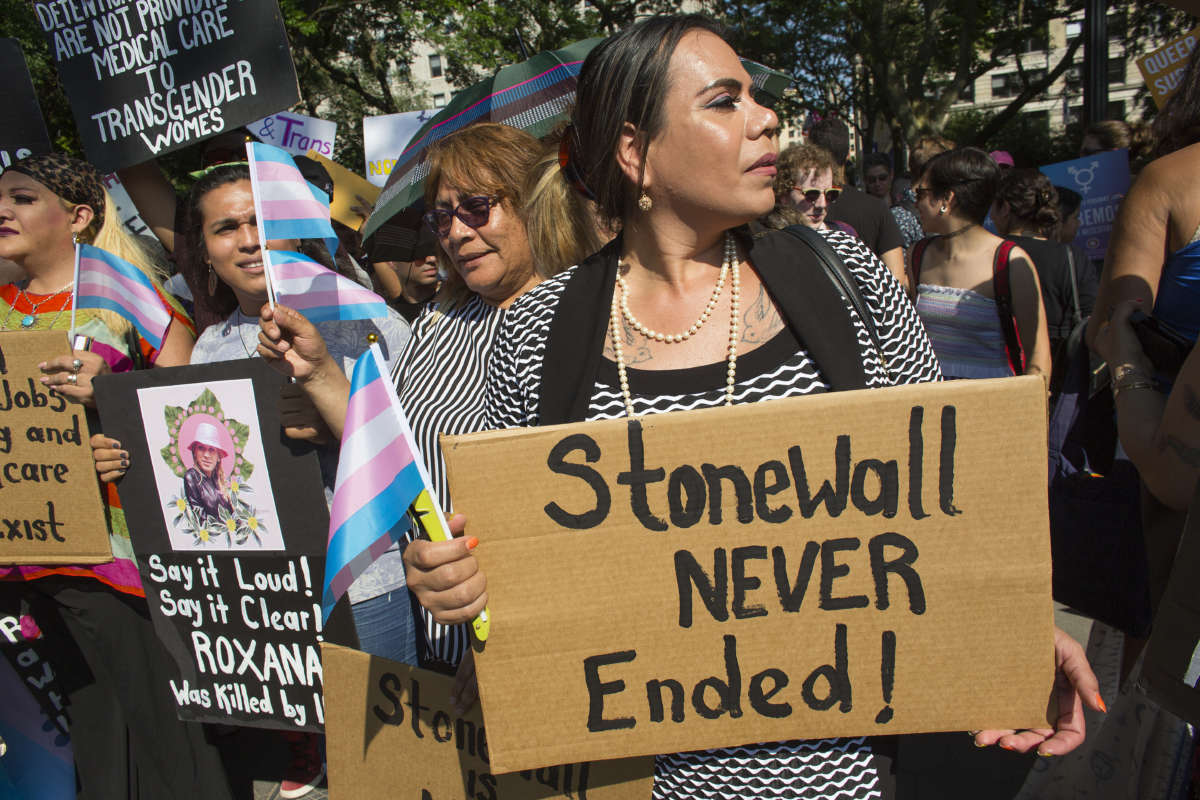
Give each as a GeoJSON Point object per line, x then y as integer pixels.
{"type": "Point", "coordinates": [287, 206]}
{"type": "Point", "coordinates": [320, 293]}
{"type": "Point", "coordinates": [380, 475]}
{"type": "Point", "coordinates": [106, 281]}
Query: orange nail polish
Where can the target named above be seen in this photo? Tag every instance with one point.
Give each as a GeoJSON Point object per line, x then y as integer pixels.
{"type": "Point", "coordinates": [471, 543]}
{"type": "Point", "coordinates": [1006, 746]}
{"type": "Point", "coordinates": [1100, 702]}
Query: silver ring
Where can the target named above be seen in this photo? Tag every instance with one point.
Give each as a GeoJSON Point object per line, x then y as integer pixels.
{"type": "Point", "coordinates": [76, 365]}
{"type": "Point", "coordinates": [73, 379]}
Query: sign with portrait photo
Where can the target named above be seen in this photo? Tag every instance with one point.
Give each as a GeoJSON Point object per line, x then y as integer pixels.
{"type": "Point", "coordinates": [233, 577]}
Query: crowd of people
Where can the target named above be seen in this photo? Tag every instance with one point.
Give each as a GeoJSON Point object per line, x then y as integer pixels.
{"type": "Point", "coordinates": [631, 263]}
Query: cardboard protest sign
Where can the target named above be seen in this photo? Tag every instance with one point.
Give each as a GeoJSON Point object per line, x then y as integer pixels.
{"type": "Point", "coordinates": [1103, 180]}
{"type": "Point", "coordinates": [23, 129]}
{"type": "Point", "coordinates": [1163, 69]}
{"type": "Point", "coordinates": [232, 574]}
{"type": "Point", "coordinates": [148, 78]}
{"type": "Point", "coordinates": [296, 133]}
{"type": "Point", "coordinates": [350, 191]}
{"type": "Point", "coordinates": [835, 565]}
{"type": "Point", "coordinates": [384, 139]}
{"type": "Point", "coordinates": [393, 733]}
{"type": "Point", "coordinates": [1171, 669]}
{"type": "Point", "coordinates": [51, 511]}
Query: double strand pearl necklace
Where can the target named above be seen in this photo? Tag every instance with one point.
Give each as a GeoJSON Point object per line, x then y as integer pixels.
{"type": "Point", "coordinates": [620, 309]}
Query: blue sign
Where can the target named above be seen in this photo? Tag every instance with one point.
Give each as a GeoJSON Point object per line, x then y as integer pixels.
{"type": "Point", "coordinates": [1102, 180]}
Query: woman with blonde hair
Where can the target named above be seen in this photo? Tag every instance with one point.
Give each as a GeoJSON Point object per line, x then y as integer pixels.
{"type": "Point", "coordinates": [96, 628]}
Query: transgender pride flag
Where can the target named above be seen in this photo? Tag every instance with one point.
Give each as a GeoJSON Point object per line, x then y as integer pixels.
{"type": "Point", "coordinates": [380, 474]}
{"type": "Point", "coordinates": [288, 207]}
{"type": "Point", "coordinates": [105, 281]}
{"type": "Point", "coordinates": [319, 293]}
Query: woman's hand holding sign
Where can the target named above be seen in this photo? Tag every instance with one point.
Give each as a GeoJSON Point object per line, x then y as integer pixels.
{"type": "Point", "coordinates": [446, 577]}
{"type": "Point", "coordinates": [1074, 685]}
{"type": "Point", "coordinates": [72, 375]}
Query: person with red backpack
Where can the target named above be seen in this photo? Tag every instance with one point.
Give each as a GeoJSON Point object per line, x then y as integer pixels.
{"type": "Point", "coordinates": [977, 294]}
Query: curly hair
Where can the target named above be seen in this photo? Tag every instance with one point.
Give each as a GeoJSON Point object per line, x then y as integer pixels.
{"type": "Point", "coordinates": [1032, 200]}
{"type": "Point", "coordinates": [796, 163]}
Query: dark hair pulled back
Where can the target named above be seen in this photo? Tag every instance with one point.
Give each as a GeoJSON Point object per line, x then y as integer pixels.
{"type": "Point", "coordinates": [625, 79]}
{"type": "Point", "coordinates": [968, 172]}
{"type": "Point", "coordinates": [1032, 200]}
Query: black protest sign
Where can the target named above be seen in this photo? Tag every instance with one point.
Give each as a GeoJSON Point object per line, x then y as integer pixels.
{"type": "Point", "coordinates": [50, 506]}
{"type": "Point", "coordinates": [146, 77]}
{"type": "Point", "coordinates": [22, 131]}
{"type": "Point", "coordinates": [232, 572]}
{"type": "Point", "coordinates": [1171, 670]}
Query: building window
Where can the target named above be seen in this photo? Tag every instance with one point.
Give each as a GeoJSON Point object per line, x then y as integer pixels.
{"type": "Point", "coordinates": [439, 100]}
{"type": "Point", "coordinates": [1074, 30]}
{"type": "Point", "coordinates": [1036, 41]}
{"type": "Point", "coordinates": [1009, 84]}
{"type": "Point", "coordinates": [435, 66]}
{"type": "Point", "coordinates": [1116, 70]}
{"type": "Point", "coordinates": [1116, 109]}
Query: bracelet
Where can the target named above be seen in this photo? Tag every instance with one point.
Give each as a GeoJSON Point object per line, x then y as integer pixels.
{"type": "Point", "coordinates": [1122, 386]}
{"type": "Point", "coordinates": [1122, 371]}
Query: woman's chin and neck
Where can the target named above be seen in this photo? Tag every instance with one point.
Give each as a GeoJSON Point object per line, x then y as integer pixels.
{"type": "Point", "coordinates": [47, 271]}
{"type": "Point", "coordinates": [250, 304]}
{"type": "Point", "coordinates": [672, 243]}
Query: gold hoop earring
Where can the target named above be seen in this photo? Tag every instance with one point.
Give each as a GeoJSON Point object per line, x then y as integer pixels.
{"type": "Point", "coordinates": [645, 203]}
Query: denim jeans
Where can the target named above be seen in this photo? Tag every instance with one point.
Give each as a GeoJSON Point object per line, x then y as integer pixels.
{"type": "Point", "coordinates": [387, 626]}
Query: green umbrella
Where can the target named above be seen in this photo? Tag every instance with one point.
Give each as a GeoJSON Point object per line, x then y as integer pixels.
{"type": "Point", "coordinates": [535, 96]}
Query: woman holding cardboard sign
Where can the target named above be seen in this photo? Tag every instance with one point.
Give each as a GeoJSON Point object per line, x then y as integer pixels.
{"type": "Point", "coordinates": [679, 156]}
{"type": "Point", "coordinates": [95, 626]}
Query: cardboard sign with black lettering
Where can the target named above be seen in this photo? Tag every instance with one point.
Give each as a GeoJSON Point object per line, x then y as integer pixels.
{"type": "Point", "coordinates": [867, 562]}
{"type": "Point", "coordinates": [233, 572]}
{"type": "Point", "coordinates": [383, 714]}
{"type": "Point", "coordinates": [148, 77]}
{"type": "Point", "coordinates": [23, 129]}
{"type": "Point", "coordinates": [51, 511]}
{"type": "Point", "coordinates": [1171, 670]}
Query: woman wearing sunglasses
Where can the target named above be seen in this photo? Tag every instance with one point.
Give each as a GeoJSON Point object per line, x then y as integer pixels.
{"type": "Point", "coordinates": [804, 190]}
{"type": "Point", "coordinates": [978, 329]}
{"type": "Point", "coordinates": [485, 191]}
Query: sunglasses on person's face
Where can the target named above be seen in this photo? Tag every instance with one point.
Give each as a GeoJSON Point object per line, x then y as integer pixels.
{"type": "Point", "coordinates": [473, 212]}
{"type": "Point", "coordinates": [813, 195]}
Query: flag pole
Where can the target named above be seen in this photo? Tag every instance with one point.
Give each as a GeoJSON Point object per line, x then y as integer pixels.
{"type": "Point", "coordinates": [74, 297]}
{"type": "Point", "coordinates": [437, 528]}
{"type": "Point", "coordinates": [258, 215]}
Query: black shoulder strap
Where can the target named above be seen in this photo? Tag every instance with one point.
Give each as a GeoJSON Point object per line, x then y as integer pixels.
{"type": "Point", "coordinates": [813, 307]}
{"type": "Point", "coordinates": [1002, 289]}
{"type": "Point", "coordinates": [841, 278]}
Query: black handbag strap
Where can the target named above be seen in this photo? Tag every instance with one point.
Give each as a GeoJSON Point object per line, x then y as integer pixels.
{"type": "Point", "coordinates": [840, 277]}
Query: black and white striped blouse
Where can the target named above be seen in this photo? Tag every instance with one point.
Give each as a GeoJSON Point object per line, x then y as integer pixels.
{"type": "Point", "coordinates": [782, 367]}
{"type": "Point", "coordinates": [439, 379]}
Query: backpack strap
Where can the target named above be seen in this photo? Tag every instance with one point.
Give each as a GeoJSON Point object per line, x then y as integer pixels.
{"type": "Point", "coordinates": [837, 273]}
{"type": "Point", "coordinates": [1002, 288]}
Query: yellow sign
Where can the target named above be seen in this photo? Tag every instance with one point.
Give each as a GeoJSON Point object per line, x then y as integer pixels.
{"type": "Point", "coordinates": [1163, 69]}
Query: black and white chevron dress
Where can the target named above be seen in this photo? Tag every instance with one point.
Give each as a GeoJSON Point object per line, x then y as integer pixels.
{"type": "Point", "coordinates": [837, 769]}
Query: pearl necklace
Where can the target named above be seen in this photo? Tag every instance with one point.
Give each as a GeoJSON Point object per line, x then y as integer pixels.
{"type": "Point", "coordinates": [30, 319]}
{"type": "Point", "coordinates": [620, 308]}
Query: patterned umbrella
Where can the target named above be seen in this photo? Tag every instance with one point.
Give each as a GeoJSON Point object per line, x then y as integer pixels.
{"type": "Point", "coordinates": [535, 96]}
